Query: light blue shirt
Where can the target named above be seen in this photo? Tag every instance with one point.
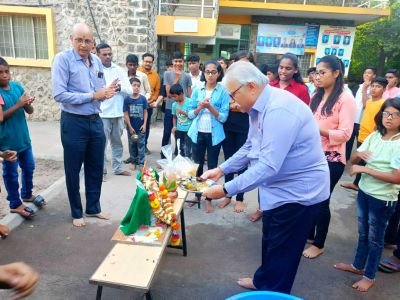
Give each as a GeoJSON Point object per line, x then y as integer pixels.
{"type": "Point", "coordinates": [284, 152]}
{"type": "Point", "coordinates": [74, 82]}
{"type": "Point", "coordinates": [219, 99]}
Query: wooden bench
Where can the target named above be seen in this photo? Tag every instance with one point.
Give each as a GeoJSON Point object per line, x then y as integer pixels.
{"type": "Point", "coordinates": [134, 265]}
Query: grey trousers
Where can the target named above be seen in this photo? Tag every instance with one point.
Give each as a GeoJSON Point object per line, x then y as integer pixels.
{"type": "Point", "coordinates": [113, 128]}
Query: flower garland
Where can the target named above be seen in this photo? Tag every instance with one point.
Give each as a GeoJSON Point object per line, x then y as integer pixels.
{"type": "Point", "coordinates": [161, 204]}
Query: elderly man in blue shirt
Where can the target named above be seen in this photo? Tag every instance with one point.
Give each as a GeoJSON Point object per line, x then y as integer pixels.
{"type": "Point", "coordinates": [79, 86]}
{"type": "Point", "coordinates": [286, 162]}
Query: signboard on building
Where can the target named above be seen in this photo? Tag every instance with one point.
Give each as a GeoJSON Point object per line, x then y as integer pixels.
{"type": "Point", "coordinates": [228, 31]}
{"type": "Point", "coordinates": [279, 39]}
{"type": "Point", "coordinates": [312, 35]}
{"type": "Point", "coordinates": [338, 41]}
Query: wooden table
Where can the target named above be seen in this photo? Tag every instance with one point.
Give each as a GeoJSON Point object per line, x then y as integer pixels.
{"type": "Point", "coordinates": [134, 265]}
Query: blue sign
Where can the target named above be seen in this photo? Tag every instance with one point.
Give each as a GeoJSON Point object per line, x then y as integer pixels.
{"type": "Point", "coordinates": [312, 35]}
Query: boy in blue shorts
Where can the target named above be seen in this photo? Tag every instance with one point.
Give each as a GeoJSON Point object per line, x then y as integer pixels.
{"type": "Point", "coordinates": [135, 115]}
{"type": "Point", "coordinates": [181, 121]}
{"type": "Point", "coordinates": [14, 135]}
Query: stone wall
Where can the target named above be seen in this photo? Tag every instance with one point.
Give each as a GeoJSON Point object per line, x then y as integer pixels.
{"type": "Point", "coordinates": [128, 26]}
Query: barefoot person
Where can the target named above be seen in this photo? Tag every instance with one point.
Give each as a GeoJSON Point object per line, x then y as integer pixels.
{"type": "Point", "coordinates": [378, 190]}
{"type": "Point", "coordinates": [288, 167]}
{"type": "Point", "coordinates": [236, 130]}
{"type": "Point", "coordinates": [334, 110]}
{"type": "Point", "coordinates": [79, 86]}
{"type": "Point", "coordinates": [15, 136]}
{"type": "Point", "coordinates": [111, 110]}
{"type": "Point", "coordinates": [210, 104]}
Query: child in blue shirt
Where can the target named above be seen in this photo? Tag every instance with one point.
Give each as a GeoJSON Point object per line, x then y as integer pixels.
{"type": "Point", "coordinates": [14, 135]}
{"type": "Point", "coordinates": [181, 121]}
{"type": "Point", "coordinates": [135, 115]}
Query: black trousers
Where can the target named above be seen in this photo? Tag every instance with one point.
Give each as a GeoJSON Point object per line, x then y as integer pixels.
{"type": "Point", "coordinates": [285, 230]}
{"type": "Point", "coordinates": [232, 143]}
{"type": "Point", "coordinates": [320, 228]}
{"type": "Point", "coordinates": [350, 142]}
{"type": "Point", "coordinates": [392, 234]}
{"type": "Point", "coordinates": [83, 141]}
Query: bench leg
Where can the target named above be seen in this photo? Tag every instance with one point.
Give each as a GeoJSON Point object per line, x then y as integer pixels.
{"type": "Point", "coordinates": [148, 295]}
{"type": "Point", "coordinates": [183, 233]}
{"type": "Point", "coordinates": [99, 292]}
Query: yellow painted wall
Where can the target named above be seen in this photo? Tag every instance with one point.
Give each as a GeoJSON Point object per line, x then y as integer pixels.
{"type": "Point", "coordinates": [33, 11]}
{"type": "Point", "coordinates": [234, 19]}
{"type": "Point", "coordinates": [206, 27]}
{"type": "Point", "coordinates": [305, 8]}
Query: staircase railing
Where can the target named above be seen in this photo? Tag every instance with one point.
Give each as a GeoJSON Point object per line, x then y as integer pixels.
{"type": "Point", "coordinates": [166, 6]}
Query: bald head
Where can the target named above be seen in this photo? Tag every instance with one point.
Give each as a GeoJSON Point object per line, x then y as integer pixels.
{"type": "Point", "coordinates": [81, 28]}
{"type": "Point", "coordinates": [82, 39]}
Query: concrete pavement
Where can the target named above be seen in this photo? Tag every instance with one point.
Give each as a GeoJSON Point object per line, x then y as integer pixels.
{"type": "Point", "coordinates": [222, 246]}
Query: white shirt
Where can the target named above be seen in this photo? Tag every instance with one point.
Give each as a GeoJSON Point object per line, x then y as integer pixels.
{"type": "Point", "coordinates": [204, 123]}
{"type": "Point", "coordinates": [113, 108]}
{"type": "Point", "coordinates": [359, 103]}
{"type": "Point", "coordinates": [196, 80]}
{"type": "Point", "coordinates": [145, 88]}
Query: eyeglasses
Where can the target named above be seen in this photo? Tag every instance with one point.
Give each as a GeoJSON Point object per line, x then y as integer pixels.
{"type": "Point", "coordinates": [82, 41]}
{"type": "Point", "coordinates": [213, 73]}
{"type": "Point", "coordinates": [232, 95]}
{"type": "Point", "coordinates": [320, 73]}
{"type": "Point", "coordinates": [394, 115]}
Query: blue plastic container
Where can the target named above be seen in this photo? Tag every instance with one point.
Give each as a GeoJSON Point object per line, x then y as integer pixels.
{"type": "Point", "coordinates": [263, 295]}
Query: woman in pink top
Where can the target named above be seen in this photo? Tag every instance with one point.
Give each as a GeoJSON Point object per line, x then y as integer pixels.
{"type": "Point", "coordinates": [334, 110]}
{"type": "Point", "coordinates": [392, 91]}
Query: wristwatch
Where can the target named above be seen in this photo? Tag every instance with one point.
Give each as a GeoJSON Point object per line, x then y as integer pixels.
{"type": "Point", "coordinates": [225, 191]}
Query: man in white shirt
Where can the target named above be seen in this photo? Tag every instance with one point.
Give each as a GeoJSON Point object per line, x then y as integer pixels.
{"type": "Point", "coordinates": [194, 70]}
{"type": "Point", "coordinates": [132, 64]}
{"type": "Point", "coordinates": [362, 95]}
{"type": "Point", "coordinates": [112, 113]}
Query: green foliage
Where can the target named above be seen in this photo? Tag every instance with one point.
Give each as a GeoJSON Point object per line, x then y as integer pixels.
{"type": "Point", "coordinates": [377, 44]}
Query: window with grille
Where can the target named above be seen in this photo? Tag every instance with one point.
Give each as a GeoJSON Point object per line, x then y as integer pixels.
{"type": "Point", "coordinates": [306, 61]}
{"type": "Point", "coordinates": [23, 36]}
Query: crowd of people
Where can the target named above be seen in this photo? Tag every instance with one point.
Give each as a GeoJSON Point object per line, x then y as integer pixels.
{"type": "Point", "coordinates": [289, 139]}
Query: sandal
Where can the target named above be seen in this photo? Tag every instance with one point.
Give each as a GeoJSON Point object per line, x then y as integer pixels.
{"type": "Point", "coordinates": [389, 266]}
{"type": "Point", "coordinates": [26, 213]}
{"type": "Point", "coordinates": [37, 200]}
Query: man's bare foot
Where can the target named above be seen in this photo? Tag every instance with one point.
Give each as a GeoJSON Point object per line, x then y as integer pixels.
{"type": "Point", "coordinates": [310, 241]}
{"type": "Point", "coordinates": [239, 207]}
{"type": "Point", "coordinates": [255, 216]}
{"type": "Point", "coordinates": [225, 202]}
{"type": "Point", "coordinates": [313, 252]}
{"type": "Point", "coordinates": [209, 207]}
{"type": "Point", "coordinates": [102, 216]}
{"type": "Point", "coordinates": [4, 231]}
{"type": "Point", "coordinates": [348, 268]}
{"type": "Point", "coordinates": [247, 283]}
{"type": "Point", "coordinates": [363, 285]}
{"type": "Point", "coordinates": [78, 222]}
{"type": "Point", "coordinates": [349, 186]}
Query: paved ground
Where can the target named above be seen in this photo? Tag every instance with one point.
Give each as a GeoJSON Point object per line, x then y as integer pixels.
{"type": "Point", "coordinates": [222, 246]}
